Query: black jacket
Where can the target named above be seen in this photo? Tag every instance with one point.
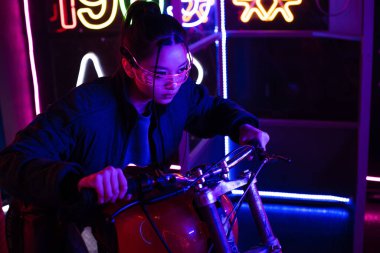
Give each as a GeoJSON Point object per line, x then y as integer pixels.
{"type": "Point", "coordinates": [88, 130]}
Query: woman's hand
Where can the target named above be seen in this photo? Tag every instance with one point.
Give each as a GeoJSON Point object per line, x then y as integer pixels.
{"type": "Point", "coordinates": [110, 184]}
{"type": "Point", "coordinates": [249, 134]}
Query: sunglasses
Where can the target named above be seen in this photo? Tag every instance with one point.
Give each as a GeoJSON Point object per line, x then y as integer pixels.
{"type": "Point", "coordinates": [148, 77]}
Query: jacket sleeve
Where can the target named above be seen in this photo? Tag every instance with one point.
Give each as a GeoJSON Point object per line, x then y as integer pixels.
{"type": "Point", "coordinates": [209, 116]}
{"type": "Point", "coordinates": [35, 166]}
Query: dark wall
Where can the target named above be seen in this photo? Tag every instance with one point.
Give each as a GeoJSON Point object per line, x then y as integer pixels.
{"type": "Point", "coordinates": [306, 91]}
{"type": "Point", "coordinates": [374, 151]}
{"type": "Point", "coordinates": [296, 78]}
{"type": "Point", "coordinates": [2, 139]}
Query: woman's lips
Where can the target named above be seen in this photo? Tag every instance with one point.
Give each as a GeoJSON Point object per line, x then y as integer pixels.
{"type": "Point", "coordinates": [168, 96]}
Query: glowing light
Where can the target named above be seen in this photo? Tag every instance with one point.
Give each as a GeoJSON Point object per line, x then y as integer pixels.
{"type": "Point", "coordinates": [299, 196]}
{"type": "Point", "coordinates": [175, 167]}
{"type": "Point", "coordinates": [198, 8]}
{"type": "Point", "coordinates": [223, 48]}
{"type": "Point", "coordinates": [335, 212]}
{"type": "Point", "coordinates": [31, 58]}
{"type": "Point", "coordinates": [123, 7]}
{"type": "Point", "coordinates": [373, 179]}
{"type": "Point", "coordinates": [199, 67]}
{"type": "Point", "coordinates": [63, 14]}
{"type": "Point", "coordinates": [224, 64]}
{"type": "Point", "coordinates": [55, 13]}
{"type": "Point", "coordinates": [5, 209]}
{"type": "Point", "coordinates": [83, 66]}
{"type": "Point", "coordinates": [255, 6]}
{"type": "Point", "coordinates": [103, 7]}
{"type": "Point", "coordinates": [372, 216]}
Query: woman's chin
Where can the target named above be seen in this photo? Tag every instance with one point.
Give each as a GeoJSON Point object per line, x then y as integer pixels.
{"type": "Point", "coordinates": [164, 99]}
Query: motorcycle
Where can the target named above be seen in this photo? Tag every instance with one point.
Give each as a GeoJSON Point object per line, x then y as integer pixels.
{"type": "Point", "coordinates": [171, 212]}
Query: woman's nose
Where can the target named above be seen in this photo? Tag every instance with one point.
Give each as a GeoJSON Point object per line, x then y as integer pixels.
{"type": "Point", "coordinates": [171, 84]}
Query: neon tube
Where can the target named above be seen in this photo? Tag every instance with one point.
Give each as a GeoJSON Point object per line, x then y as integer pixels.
{"type": "Point", "coordinates": [123, 7]}
{"type": "Point", "coordinates": [224, 64]}
{"type": "Point", "coordinates": [83, 65]}
{"type": "Point", "coordinates": [299, 196]}
{"type": "Point", "coordinates": [62, 12]}
{"type": "Point", "coordinates": [94, 16]}
{"type": "Point", "coordinates": [285, 11]}
{"type": "Point", "coordinates": [31, 58]}
{"type": "Point", "coordinates": [255, 6]}
{"type": "Point", "coordinates": [5, 209]}
{"type": "Point", "coordinates": [201, 9]}
{"type": "Point", "coordinates": [199, 68]}
{"type": "Point", "coordinates": [339, 212]}
{"type": "Point", "coordinates": [373, 179]}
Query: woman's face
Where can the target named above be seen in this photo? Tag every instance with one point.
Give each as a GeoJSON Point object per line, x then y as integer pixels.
{"type": "Point", "coordinates": [171, 72]}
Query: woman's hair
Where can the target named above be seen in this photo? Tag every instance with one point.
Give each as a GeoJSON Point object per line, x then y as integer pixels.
{"type": "Point", "coordinates": [145, 29]}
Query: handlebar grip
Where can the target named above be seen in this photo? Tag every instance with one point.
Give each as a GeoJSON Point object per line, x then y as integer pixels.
{"type": "Point", "coordinates": [136, 185]}
{"type": "Point", "coordinates": [255, 144]}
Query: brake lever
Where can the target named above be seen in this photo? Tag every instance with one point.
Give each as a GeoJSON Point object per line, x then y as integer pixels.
{"type": "Point", "coordinates": [259, 151]}
{"type": "Point", "coordinates": [263, 155]}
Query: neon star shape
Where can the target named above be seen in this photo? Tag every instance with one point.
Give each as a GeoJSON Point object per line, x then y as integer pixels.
{"type": "Point", "coordinates": [256, 7]}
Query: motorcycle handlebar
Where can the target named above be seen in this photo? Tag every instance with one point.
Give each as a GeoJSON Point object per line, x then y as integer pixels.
{"type": "Point", "coordinates": [141, 180]}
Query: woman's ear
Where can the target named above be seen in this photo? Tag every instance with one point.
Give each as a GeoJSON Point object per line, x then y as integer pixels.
{"type": "Point", "coordinates": [127, 68]}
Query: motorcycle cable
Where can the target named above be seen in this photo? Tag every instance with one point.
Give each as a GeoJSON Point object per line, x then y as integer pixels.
{"type": "Point", "coordinates": [242, 152]}
{"type": "Point", "coordinates": [240, 201]}
{"type": "Point", "coordinates": [155, 228]}
{"type": "Point", "coordinates": [247, 149]}
{"type": "Point", "coordinates": [264, 157]}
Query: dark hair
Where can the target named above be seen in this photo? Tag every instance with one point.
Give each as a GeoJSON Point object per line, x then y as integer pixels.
{"type": "Point", "coordinates": [145, 28]}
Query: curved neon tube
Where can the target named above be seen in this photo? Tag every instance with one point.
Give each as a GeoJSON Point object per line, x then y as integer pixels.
{"type": "Point", "coordinates": [92, 15]}
{"type": "Point", "coordinates": [62, 13]}
{"type": "Point", "coordinates": [201, 9]}
{"type": "Point", "coordinates": [83, 65]}
{"type": "Point", "coordinates": [123, 7]}
{"type": "Point", "coordinates": [199, 67]}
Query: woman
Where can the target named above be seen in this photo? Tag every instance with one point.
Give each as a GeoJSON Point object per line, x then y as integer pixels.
{"type": "Point", "coordinates": [85, 139]}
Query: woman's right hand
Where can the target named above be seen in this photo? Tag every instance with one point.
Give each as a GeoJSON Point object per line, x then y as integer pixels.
{"type": "Point", "coordinates": [110, 184]}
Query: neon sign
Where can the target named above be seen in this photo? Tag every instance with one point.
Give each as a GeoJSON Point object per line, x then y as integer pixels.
{"type": "Point", "coordinates": [196, 9]}
{"type": "Point", "coordinates": [83, 12]}
{"type": "Point", "coordinates": [64, 17]}
{"type": "Point", "coordinates": [99, 14]}
{"type": "Point", "coordinates": [90, 56]}
{"type": "Point", "coordinates": [200, 70]}
{"type": "Point", "coordinates": [123, 7]}
{"type": "Point", "coordinates": [252, 7]}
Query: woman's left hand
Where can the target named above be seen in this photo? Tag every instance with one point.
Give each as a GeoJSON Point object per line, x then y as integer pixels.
{"type": "Point", "coordinates": [249, 134]}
